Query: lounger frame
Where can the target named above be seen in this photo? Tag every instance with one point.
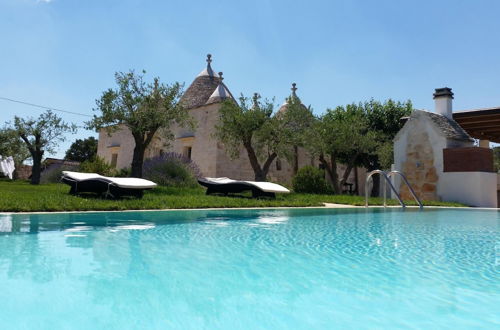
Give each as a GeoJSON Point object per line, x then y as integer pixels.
{"type": "Point", "coordinates": [234, 187]}
{"type": "Point", "coordinates": [101, 186]}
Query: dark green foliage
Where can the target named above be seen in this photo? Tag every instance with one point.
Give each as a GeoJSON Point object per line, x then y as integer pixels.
{"type": "Point", "coordinates": [82, 150]}
{"type": "Point", "coordinates": [97, 165]}
{"type": "Point", "coordinates": [356, 135]}
{"type": "Point", "coordinates": [310, 180]}
{"type": "Point", "coordinates": [123, 172]}
{"type": "Point", "coordinates": [496, 158]}
{"type": "Point", "coordinates": [296, 120]}
{"type": "Point", "coordinates": [385, 120]}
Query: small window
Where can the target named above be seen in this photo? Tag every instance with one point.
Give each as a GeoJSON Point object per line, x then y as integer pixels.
{"type": "Point", "coordinates": [187, 152]}
{"type": "Point", "coordinates": [114, 160]}
{"type": "Point", "coordinates": [278, 164]}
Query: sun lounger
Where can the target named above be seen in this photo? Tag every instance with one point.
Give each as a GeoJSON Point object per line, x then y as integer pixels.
{"type": "Point", "coordinates": [109, 186]}
{"type": "Point", "coordinates": [226, 186]}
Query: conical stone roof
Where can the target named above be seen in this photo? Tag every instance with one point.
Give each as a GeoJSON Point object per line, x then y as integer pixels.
{"type": "Point", "coordinates": [201, 88]}
{"type": "Point", "coordinates": [220, 93]}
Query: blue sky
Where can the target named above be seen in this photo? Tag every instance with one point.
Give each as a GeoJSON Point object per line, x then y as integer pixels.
{"type": "Point", "coordinates": [63, 53]}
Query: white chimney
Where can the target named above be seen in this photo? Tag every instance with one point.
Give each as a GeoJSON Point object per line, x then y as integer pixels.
{"type": "Point", "coordinates": [443, 101]}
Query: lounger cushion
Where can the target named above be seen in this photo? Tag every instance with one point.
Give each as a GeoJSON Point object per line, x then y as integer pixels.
{"type": "Point", "coordinates": [79, 176]}
{"type": "Point", "coordinates": [264, 186]}
{"type": "Point", "coordinates": [133, 183]}
{"type": "Point", "coordinates": [130, 183]}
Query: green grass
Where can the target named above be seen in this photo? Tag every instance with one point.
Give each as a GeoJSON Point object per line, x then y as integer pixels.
{"type": "Point", "coordinates": [20, 196]}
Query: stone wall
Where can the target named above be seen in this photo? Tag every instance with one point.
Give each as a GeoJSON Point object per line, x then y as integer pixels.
{"type": "Point", "coordinates": [419, 168]}
{"type": "Point", "coordinates": [23, 172]}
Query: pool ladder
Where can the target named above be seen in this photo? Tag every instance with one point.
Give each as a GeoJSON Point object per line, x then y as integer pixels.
{"type": "Point", "coordinates": [387, 180]}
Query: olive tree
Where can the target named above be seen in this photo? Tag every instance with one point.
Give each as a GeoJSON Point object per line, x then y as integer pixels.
{"type": "Point", "coordinates": [385, 119]}
{"type": "Point", "coordinates": [356, 135]}
{"type": "Point", "coordinates": [253, 127]}
{"type": "Point", "coordinates": [41, 135]}
{"type": "Point", "coordinates": [146, 109]}
{"type": "Point", "coordinates": [341, 135]}
{"type": "Point", "coordinates": [297, 120]}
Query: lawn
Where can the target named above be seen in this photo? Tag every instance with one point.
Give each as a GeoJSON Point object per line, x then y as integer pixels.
{"type": "Point", "coordinates": [20, 196]}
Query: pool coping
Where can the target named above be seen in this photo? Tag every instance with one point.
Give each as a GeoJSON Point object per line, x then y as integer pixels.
{"type": "Point", "coordinates": [325, 206]}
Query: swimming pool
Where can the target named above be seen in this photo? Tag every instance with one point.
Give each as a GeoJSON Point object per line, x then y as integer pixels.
{"type": "Point", "coordinates": [233, 269]}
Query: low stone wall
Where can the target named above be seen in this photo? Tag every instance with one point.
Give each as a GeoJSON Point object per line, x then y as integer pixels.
{"type": "Point", "coordinates": [470, 188]}
{"type": "Point", "coordinates": [23, 172]}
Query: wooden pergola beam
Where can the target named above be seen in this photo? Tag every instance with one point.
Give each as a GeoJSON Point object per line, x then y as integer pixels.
{"type": "Point", "coordinates": [480, 124]}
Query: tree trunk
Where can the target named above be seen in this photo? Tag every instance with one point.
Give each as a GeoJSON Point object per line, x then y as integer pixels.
{"type": "Point", "coordinates": [376, 182]}
{"type": "Point", "coordinates": [142, 141]}
{"type": "Point", "coordinates": [348, 170]}
{"type": "Point", "coordinates": [356, 183]}
{"type": "Point", "coordinates": [331, 170]}
{"type": "Point", "coordinates": [260, 172]}
{"type": "Point", "coordinates": [295, 160]}
{"type": "Point", "coordinates": [37, 166]}
{"type": "Point", "coordinates": [254, 162]}
{"type": "Point", "coordinates": [137, 160]}
{"type": "Point", "coordinates": [376, 186]}
{"type": "Point", "coordinates": [267, 165]}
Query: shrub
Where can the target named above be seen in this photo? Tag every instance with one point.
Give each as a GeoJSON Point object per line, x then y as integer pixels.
{"type": "Point", "coordinates": [123, 172]}
{"type": "Point", "coordinates": [171, 169]}
{"type": "Point", "coordinates": [310, 180]}
{"type": "Point", "coordinates": [53, 173]}
{"type": "Point", "coordinates": [97, 165]}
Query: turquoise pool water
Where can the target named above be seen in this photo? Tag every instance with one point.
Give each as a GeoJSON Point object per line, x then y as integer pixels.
{"type": "Point", "coordinates": [251, 269]}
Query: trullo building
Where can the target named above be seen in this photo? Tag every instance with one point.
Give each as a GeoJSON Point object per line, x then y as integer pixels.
{"type": "Point", "coordinates": [203, 100]}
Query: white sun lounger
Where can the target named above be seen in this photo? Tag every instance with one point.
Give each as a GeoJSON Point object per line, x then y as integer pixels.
{"type": "Point", "coordinates": [226, 185]}
{"type": "Point", "coordinates": [109, 186]}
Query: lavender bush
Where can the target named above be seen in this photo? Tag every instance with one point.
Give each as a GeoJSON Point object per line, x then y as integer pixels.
{"type": "Point", "coordinates": [171, 169]}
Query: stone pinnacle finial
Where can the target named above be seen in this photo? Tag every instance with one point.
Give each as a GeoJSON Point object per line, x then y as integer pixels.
{"type": "Point", "coordinates": [209, 58]}
{"type": "Point", "coordinates": [294, 88]}
{"type": "Point", "coordinates": [220, 76]}
{"type": "Point", "coordinates": [255, 100]}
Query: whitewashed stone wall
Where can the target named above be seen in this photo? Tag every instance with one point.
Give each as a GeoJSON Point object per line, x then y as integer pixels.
{"type": "Point", "coordinates": [120, 142]}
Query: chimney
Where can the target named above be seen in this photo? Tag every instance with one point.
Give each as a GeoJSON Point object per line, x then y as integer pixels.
{"type": "Point", "coordinates": [443, 101]}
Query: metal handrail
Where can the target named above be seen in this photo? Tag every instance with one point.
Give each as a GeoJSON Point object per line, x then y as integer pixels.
{"type": "Point", "coordinates": [387, 180]}
{"type": "Point", "coordinates": [391, 173]}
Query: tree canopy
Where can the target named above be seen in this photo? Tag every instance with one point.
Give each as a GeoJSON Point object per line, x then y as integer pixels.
{"type": "Point", "coordinates": [82, 149]}
{"type": "Point", "coordinates": [41, 135]}
{"type": "Point", "coordinates": [385, 119]}
{"type": "Point", "coordinates": [341, 135]}
{"type": "Point", "coordinates": [297, 120]}
{"type": "Point", "coordinates": [356, 135]}
{"type": "Point", "coordinates": [146, 109]}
